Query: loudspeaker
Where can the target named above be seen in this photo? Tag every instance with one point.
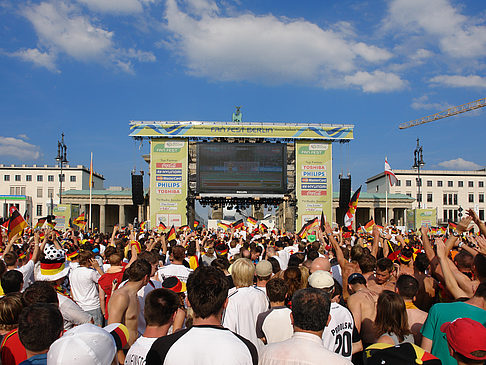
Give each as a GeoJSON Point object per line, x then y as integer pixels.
{"type": "Point", "coordinates": [137, 189]}
{"type": "Point", "coordinates": [344, 192]}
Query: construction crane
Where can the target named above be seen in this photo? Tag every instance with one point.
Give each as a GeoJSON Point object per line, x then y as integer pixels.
{"type": "Point", "coordinates": [446, 113]}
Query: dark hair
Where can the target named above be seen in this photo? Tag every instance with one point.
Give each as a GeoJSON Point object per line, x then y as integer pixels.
{"type": "Point", "coordinates": [39, 326]}
{"type": "Point", "coordinates": [480, 266]}
{"type": "Point", "coordinates": [359, 279]}
{"type": "Point", "coordinates": [463, 260]}
{"type": "Point", "coordinates": [275, 264]}
{"type": "Point", "coordinates": [356, 252]}
{"type": "Point", "coordinates": [220, 263]}
{"type": "Point", "coordinates": [384, 264]}
{"type": "Point", "coordinates": [466, 360]}
{"type": "Point", "coordinates": [407, 286]}
{"type": "Point", "coordinates": [12, 281]}
{"type": "Point", "coordinates": [207, 290]}
{"type": "Point", "coordinates": [312, 254]}
{"type": "Point", "coordinates": [138, 270]}
{"type": "Point", "coordinates": [367, 263]}
{"type": "Point", "coordinates": [276, 290]}
{"type": "Point", "coordinates": [293, 278]}
{"type": "Point", "coordinates": [310, 309]}
{"type": "Point", "coordinates": [160, 305]}
{"type": "Point", "coordinates": [149, 256]}
{"type": "Point", "coordinates": [481, 290]}
{"type": "Point", "coordinates": [40, 292]}
{"type": "Point", "coordinates": [391, 315]}
{"type": "Point", "coordinates": [10, 258]}
{"type": "Point", "coordinates": [84, 257]}
{"type": "Point", "coordinates": [178, 253]}
{"type": "Point", "coordinates": [115, 259]}
{"type": "Point", "coordinates": [421, 262]}
{"type": "Point", "coordinates": [296, 259]}
{"type": "Point", "coordinates": [110, 250]}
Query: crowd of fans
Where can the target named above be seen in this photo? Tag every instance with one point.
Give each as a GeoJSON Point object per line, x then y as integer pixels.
{"type": "Point", "coordinates": [244, 295]}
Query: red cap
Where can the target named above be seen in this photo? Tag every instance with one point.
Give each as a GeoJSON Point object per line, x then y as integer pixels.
{"type": "Point", "coordinates": [465, 336]}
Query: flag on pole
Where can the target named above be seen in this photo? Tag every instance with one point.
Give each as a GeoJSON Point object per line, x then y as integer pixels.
{"type": "Point", "coordinates": [142, 225]}
{"type": "Point", "coordinates": [353, 204]}
{"type": "Point", "coordinates": [195, 224]}
{"type": "Point", "coordinates": [162, 227]}
{"type": "Point", "coordinates": [40, 223]}
{"type": "Point", "coordinates": [225, 226]}
{"type": "Point", "coordinates": [238, 224]}
{"type": "Point", "coordinates": [16, 222]}
{"type": "Point", "coordinates": [80, 221]}
{"type": "Point", "coordinates": [172, 234]}
{"type": "Point", "coordinates": [263, 227]}
{"type": "Point", "coordinates": [391, 176]}
{"type": "Point", "coordinates": [368, 227]}
{"type": "Point", "coordinates": [251, 220]}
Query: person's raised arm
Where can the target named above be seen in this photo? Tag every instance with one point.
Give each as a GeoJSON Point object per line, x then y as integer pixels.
{"type": "Point", "coordinates": [376, 241]}
{"type": "Point", "coordinates": [37, 251]}
{"type": "Point", "coordinates": [10, 243]}
{"type": "Point", "coordinates": [429, 251]}
{"type": "Point", "coordinates": [460, 229]}
{"type": "Point", "coordinates": [481, 241]}
{"type": "Point", "coordinates": [339, 252]}
{"type": "Point", "coordinates": [112, 239]}
{"type": "Point", "coordinates": [449, 278]}
{"type": "Point", "coordinates": [481, 225]}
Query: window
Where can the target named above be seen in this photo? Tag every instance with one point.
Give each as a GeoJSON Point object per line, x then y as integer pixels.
{"type": "Point", "coordinates": [39, 192]}
{"type": "Point", "coordinates": [450, 214]}
{"type": "Point", "coordinates": [429, 197]}
{"type": "Point", "coordinates": [72, 178]}
{"type": "Point", "coordinates": [50, 178]}
{"type": "Point", "coordinates": [481, 214]}
{"type": "Point", "coordinates": [444, 201]}
{"type": "Point", "coordinates": [408, 182]}
{"type": "Point", "coordinates": [22, 190]}
{"type": "Point", "coordinates": [28, 177]}
{"type": "Point", "coordinates": [399, 183]}
{"type": "Point", "coordinates": [445, 215]}
{"type": "Point", "coordinates": [450, 184]}
{"type": "Point", "coordinates": [450, 199]}
{"type": "Point", "coordinates": [455, 199]}
{"type": "Point", "coordinates": [460, 184]}
{"type": "Point", "coordinates": [439, 183]}
{"type": "Point", "coordinates": [39, 209]}
{"type": "Point", "coordinates": [471, 198]}
{"type": "Point", "coordinates": [408, 194]}
{"type": "Point", "coordinates": [470, 184]}
{"type": "Point", "coordinates": [40, 178]}
{"type": "Point", "coordinates": [12, 190]}
{"type": "Point", "coordinates": [50, 193]}
{"type": "Point", "coordinates": [481, 198]}
{"type": "Point", "coordinates": [17, 178]}
{"type": "Point", "coordinates": [429, 183]}
{"type": "Point", "coordinates": [6, 177]}
{"type": "Point", "coordinates": [18, 191]}
{"type": "Point", "coordinates": [481, 184]}
{"type": "Point", "coordinates": [455, 215]}
{"type": "Point", "coordinates": [377, 188]}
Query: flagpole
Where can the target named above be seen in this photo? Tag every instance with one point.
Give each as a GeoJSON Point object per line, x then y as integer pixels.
{"type": "Point", "coordinates": [386, 200]}
{"type": "Point", "coordinates": [90, 189]}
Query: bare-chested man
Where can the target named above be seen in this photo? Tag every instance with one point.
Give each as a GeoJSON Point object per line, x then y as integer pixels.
{"type": "Point", "coordinates": [123, 306]}
{"type": "Point", "coordinates": [383, 278]}
{"type": "Point", "coordinates": [428, 286]}
{"type": "Point", "coordinates": [407, 287]}
{"type": "Point", "coordinates": [362, 304]}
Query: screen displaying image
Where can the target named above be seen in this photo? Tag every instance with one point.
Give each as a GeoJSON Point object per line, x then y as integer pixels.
{"type": "Point", "coordinates": [241, 168]}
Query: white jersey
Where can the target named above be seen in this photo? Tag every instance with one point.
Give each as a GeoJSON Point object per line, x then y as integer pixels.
{"type": "Point", "coordinates": [338, 334]}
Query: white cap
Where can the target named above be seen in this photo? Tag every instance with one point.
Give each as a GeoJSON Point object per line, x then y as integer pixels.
{"type": "Point", "coordinates": [84, 344]}
{"type": "Point", "coordinates": [321, 280]}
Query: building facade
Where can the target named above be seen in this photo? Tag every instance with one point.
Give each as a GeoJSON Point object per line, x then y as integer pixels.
{"type": "Point", "coordinates": [33, 189]}
{"type": "Point", "coordinates": [449, 192]}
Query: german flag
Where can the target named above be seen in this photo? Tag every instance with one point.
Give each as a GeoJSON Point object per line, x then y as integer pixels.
{"type": "Point", "coordinates": [193, 262]}
{"type": "Point", "coordinates": [142, 225]}
{"type": "Point", "coordinates": [368, 227]}
{"type": "Point", "coordinates": [452, 226]}
{"type": "Point", "coordinates": [303, 231]}
{"type": "Point", "coordinates": [251, 220]}
{"type": "Point", "coordinates": [224, 225]}
{"type": "Point", "coordinates": [238, 224]}
{"type": "Point", "coordinates": [183, 228]}
{"type": "Point", "coordinates": [263, 227]}
{"type": "Point", "coordinates": [137, 245]}
{"type": "Point", "coordinates": [195, 224]}
{"type": "Point", "coordinates": [353, 205]}
{"type": "Point", "coordinates": [172, 234]}
{"type": "Point", "coordinates": [162, 227]}
{"type": "Point", "coordinates": [40, 223]}
{"type": "Point", "coordinates": [81, 220]}
{"type": "Point", "coordinates": [16, 223]}
{"type": "Point", "coordinates": [323, 221]}
{"type": "Point", "coordinates": [313, 223]}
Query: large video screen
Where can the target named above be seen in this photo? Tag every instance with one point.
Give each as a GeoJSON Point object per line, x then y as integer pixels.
{"type": "Point", "coordinates": [242, 168]}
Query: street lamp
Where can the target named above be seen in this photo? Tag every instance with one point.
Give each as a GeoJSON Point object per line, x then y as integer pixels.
{"type": "Point", "coordinates": [418, 160]}
{"type": "Point", "coordinates": [61, 159]}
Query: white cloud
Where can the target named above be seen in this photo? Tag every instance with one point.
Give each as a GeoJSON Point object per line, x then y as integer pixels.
{"type": "Point", "coordinates": [424, 103]}
{"type": "Point", "coordinates": [459, 164]}
{"type": "Point", "coordinates": [116, 6]}
{"type": "Point", "coordinates": [264, 48]}
{"type": "Point", "coordinates": [62, 28]}
{"type": "Point", "coordinates": [377, 81]}
{"type": "Point", "coordinates": [24, 137]}
{"type": "Point", "coordinates": [456, 35]}
{"type": "Point", "coordinates": [460, 81]}
{"type": "Point", "coordinates": [42, 59]}
{"type": "Point", "coordinates": [10, 146]}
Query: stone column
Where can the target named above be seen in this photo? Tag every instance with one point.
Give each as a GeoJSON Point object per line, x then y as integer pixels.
{"type": "Point", "coordinates": [121, 215]}
{"type": "Point", "coordinates": [102, 218]}
{"type": "Point", "coordinates": [140, 214]}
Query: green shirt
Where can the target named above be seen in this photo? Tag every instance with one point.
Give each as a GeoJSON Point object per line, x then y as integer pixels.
{"type": "Point", "coordinates": [447, 312]}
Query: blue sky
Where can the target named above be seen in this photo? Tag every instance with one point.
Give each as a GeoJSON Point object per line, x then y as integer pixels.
{"type": "Point", "coordinates": [88, 67]}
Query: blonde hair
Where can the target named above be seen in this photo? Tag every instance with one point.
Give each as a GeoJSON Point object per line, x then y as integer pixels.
{"type": "Point", "coordinates": [10, 307]}
{"type": "Point", "coordinates": [242, 272]}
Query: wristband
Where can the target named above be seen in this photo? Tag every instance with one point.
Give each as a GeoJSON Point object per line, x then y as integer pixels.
{"type": "Point", "coordinates": [460, 244]}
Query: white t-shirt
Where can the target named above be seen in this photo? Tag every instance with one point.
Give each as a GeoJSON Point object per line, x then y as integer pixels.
{"type": "Point", "coordinates": [138, 352]}
{"type": "Point", "coordinates": [244, 306]}
{"type": "Point", "coordinates": [84, 287]}
{"type": "Point", "coordinates": [275, 325]}
{"type": "Point", "coordinates": [27, 271]}
{"type": "Point", "coordinates": [180, 271]}
{"type": "Point", "coordinates": [338, 334]}
{"type": "Point", "coordinates": [71, 312]}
